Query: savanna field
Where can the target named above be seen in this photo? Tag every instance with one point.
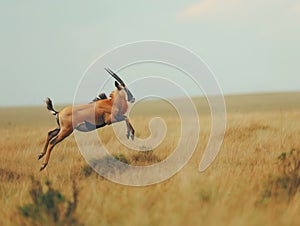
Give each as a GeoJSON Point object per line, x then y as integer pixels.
{"type": "Point", "coordinates": [254, 180]}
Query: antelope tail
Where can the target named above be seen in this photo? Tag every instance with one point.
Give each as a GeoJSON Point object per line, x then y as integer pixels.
{"type": "Point", "coordinates": [50, 106]}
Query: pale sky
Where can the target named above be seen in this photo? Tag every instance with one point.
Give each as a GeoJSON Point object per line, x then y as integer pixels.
{"type": "Point", "coordinates": [45, 46]}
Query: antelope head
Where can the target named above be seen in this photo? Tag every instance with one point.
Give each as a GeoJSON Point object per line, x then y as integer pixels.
{"type": "Point", "coordinates": [121, 87]}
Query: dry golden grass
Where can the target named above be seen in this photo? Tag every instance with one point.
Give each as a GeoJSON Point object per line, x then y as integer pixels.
{"type": "Point", "coordinates": [225, 194]}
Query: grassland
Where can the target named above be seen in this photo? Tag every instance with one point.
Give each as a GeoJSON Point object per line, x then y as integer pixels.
{"type": "Point", "coordinates": [259, 128]}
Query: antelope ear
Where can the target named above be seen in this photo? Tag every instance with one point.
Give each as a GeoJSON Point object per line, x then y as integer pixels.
{"type": "Point", "coordinates": [117, 85]}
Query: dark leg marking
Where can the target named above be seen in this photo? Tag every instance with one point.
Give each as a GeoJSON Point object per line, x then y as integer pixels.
{"type": "Point", "coordinates": [51, 135]}
{"type": "Point", "coordinates": [130, 129]}
{"type": "Point", "coordinates": [60, 137]}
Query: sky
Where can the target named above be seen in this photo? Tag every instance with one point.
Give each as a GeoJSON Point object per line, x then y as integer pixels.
{"type": "Point", "coordinates": [46, 46]}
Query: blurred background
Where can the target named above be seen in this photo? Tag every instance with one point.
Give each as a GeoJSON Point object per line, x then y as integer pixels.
{"type": "Point", "coordinates": [251, 46]}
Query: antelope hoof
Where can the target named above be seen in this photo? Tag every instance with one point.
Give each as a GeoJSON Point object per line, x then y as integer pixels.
{"type": "Point", "coordinates": [127, 135]}
{"type": "Point", "coordinates": [40, 156]}
{"type": "Point", "coordinates": [132, 136]}
{"type": "Point", "coordinates": [43, 166]}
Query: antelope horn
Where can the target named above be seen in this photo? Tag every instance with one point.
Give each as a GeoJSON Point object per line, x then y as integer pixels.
{"type": "Point", "coordinates": [115, 76]}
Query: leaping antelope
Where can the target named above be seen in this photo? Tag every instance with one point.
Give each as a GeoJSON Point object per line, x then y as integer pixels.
{"type": "Point", "coordinates": [89, 117]}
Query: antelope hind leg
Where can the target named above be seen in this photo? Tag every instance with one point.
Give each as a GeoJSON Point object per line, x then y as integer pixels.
{"type": "Point", "coordinates": [50, 136]}
{"type": "Point", "coordinates": [60, 137]}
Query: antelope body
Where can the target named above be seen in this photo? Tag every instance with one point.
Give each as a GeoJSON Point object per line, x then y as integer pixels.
{"type": "Point", "coordinates": [88, 117]}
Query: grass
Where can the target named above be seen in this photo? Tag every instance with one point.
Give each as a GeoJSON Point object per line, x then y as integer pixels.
{"type": "Point", "coordinates": [49, 206]}
{"type": "Point", "coordinates": [283, 185]}
{"type": "Point", "coordinates": [227, 193]}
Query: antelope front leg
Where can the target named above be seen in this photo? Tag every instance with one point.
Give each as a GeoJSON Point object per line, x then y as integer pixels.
{"type": "Point", "coordinates": [129, 128]}
{"type": "Point", "coordinates": [109, 119]}
{"type": "Point", "coordinates": [128, 124]}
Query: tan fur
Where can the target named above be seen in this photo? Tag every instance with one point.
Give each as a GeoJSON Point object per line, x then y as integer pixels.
{"type": "Point", "coordinates": [101, 112]}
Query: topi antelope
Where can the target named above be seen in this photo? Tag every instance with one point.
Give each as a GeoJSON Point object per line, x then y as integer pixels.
{"type": "Point", "coordinates": [90, 116]}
